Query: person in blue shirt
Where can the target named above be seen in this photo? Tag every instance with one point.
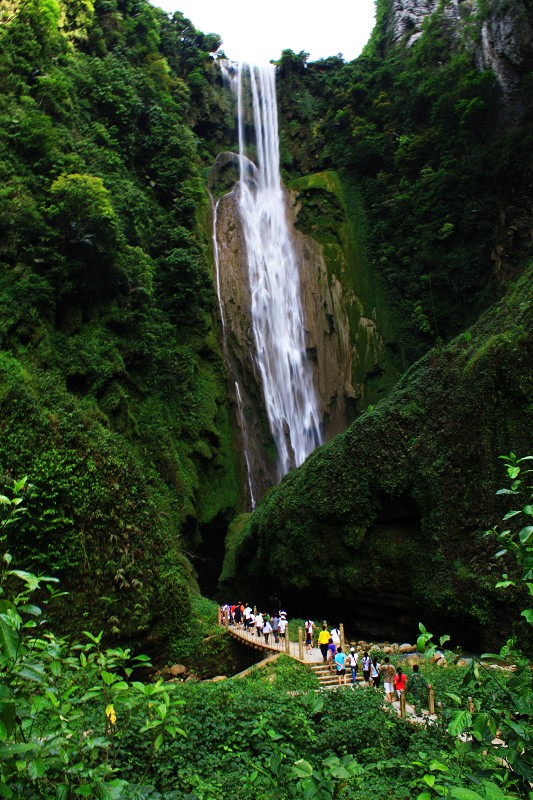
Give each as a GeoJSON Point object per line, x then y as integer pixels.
{"type": "Point", "coordinates": [340, 662]}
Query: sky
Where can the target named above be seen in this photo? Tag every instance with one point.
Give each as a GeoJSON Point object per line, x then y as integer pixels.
{"type": "Point", "coordinates": [258, 32]}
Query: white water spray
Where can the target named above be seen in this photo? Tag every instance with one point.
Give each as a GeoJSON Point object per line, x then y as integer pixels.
{"type": "Point", "coordinates": [277, 317]}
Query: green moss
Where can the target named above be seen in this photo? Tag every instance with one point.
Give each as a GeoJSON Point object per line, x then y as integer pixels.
{"type": "Point", "coordinates": [402, 497]}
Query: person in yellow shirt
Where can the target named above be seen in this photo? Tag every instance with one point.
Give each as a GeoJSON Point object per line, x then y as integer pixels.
{"type": "Point", "coordinates": [323, 641]}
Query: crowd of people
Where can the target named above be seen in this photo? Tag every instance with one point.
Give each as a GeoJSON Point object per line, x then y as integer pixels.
{"type": "Point", "coordinates": [395, 681]}
{"type": "Point", "coordinates": [260, 623]}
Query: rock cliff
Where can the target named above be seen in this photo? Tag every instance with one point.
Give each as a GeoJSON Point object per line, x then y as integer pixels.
{"type": "Point", "coordinates": [503, 45]}
{"type": "Point", "coordinates": [343, 338]}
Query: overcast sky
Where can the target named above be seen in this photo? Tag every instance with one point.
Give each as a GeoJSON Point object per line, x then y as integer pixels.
{"type": "Point", "coordinates": [258, 32]}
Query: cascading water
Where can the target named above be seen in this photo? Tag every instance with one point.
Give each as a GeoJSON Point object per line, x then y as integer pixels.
{"type": "Point", "coordinates": [276, 312]}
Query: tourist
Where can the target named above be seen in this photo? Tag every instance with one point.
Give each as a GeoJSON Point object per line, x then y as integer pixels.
{"type": "Point", "coordinates": [353, 659]}
{"type": "Point", "coordinates": [336, 636]}
{"type": "Point", "coordinates": [340, 661]}
{"type": "Point", "coordinates": [366, 664]}
{"type": "Point", "coordinates": [374, 672]}
{"type": "Point", "coordinates": [400, 681]}
{"type": "Point", "coordinates": [418, 686]}
{"type": "Point", "coordinates": [247, 613]}
{"type": "Point", "coordinates": [332, 649]}
{"type": "Point", "coordinates": [267, 629]}
{"type": "Point", "coordinates": [259, 622]}
{"type": "Point", "coordinates": [309, 628]}
{"type": "Point", "coordinates": [388, 671]}
{"type": "Point", "coordinates": [251, 622]}
{"type": "Point", "coordinates": [275, 627]}
{"type": "Point", "coordinates": [282, 625]}
{"type": "Point", "coordinates": [237, 615]}
{"type": "Point", "coordinates": [323, 642]}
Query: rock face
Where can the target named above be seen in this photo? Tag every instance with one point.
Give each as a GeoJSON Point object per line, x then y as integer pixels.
{"type": "Point", "coordinates": [343, 340]}
{"type": "Point", "coordinates": [507, 49]}
{"type": "Point", "coordinates": [407, 17]}
{"type": "Point", "coordinates": [504, 46]}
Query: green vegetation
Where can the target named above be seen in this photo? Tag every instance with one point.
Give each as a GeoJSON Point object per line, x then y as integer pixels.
{"type": "Point", "coordinates": [394, 503]}
{"type": "Point", "coordinates": [422, 133]}
{"type": "Point", "coordinates": [75, 720]}
{"type": "Point", "coordinates": [113, 392]}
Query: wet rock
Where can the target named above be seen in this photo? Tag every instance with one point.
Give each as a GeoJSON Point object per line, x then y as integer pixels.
{"type": "Point", "coordinates": [406, 648]}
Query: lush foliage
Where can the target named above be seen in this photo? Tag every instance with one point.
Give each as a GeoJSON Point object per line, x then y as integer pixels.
{"type": "Point", "coordinates": [382, 509]}
{"type": "Point", "coordinates": [423, 134]}
{"type": "Point", "coordinates": [113, 392]}
{"type": "Point", "coordinates": [503, 723]}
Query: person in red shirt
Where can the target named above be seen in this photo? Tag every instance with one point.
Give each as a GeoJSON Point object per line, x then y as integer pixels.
{"type": "Point", "coordinates": [400, 682]}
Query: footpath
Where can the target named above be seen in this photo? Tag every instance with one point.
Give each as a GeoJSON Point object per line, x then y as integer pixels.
{"type": "Point", "coordinates": [327, 678]}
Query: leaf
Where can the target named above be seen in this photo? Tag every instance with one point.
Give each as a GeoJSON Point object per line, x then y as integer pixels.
{"type": "Point", "coordinates": [493, 792]}
{"type": "Point", "coordinates": [9, 639]}
{"type": "Point", "coordinates": [429, 779]}
{"type": "Point", "coordinates": [341, 773]}
{"type": "Point", "coordinates": [84, 790]}
{"type": "Point", "coordinates": [433, 765]}
{"type": "Point", "coordinates": [120, 686]}
{"type": "Point", "coordinates": [510, 514]}
{"type": "Point", "coordinates": [460, 793]}
{"type": "Point", "coordinates": [302, 769]}
{"type": "Point", "coordinates": [460, 721]}
{"type": "Point", "coordinates": [455, 697]}
{"type": "Point", "coordinates": [526, 534]}
{"type": "Point", "coordinates": [35, 611]}
{"type": "Point", "coordinates": [528, 614]}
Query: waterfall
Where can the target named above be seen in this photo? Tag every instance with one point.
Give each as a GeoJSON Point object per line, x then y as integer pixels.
{"type": "Point", "coordinates": [216, 259]}
{"type": "Point", "coordinates": [277, 317]}
{"type": "Point", "coordinates": [245, 436]}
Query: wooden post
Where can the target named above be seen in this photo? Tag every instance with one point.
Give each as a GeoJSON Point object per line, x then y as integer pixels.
{"type": "Point", "coordinates": [287, 641]}
{"type": "Point", "coordinates": [255, 611]}
{"type": "Point", "coordinates": [402, 705]}
{"type": "Point", "coordinates": [226, 619]}
{"type": "Point", "coordinates": [431, 700]}
{"type": "Point", "coordinates": [300, 644]}
{"type": "Point", "coordinates": [471, 706]}
{"type": "Point", "coordinates": [341, 629]}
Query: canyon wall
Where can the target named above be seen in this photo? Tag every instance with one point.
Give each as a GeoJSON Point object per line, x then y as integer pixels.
{"type": "Point", "coordinates": [344, 340]}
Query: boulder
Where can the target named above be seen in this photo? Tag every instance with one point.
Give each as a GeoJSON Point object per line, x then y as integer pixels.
{"type": "Point", "coordinates": [406, 648]}
{"type": "Point", "coordinates": [413, 659]}
{"type": "Point", "coordinates": [218, 678]}
{"type": "Point", "coordinates": [177, 669]}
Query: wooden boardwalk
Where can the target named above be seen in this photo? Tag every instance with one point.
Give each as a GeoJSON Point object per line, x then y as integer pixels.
{"type": "Point", "coordinates": [250, 637]}
{"type": "Point", "coordinates": [314, 660]}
